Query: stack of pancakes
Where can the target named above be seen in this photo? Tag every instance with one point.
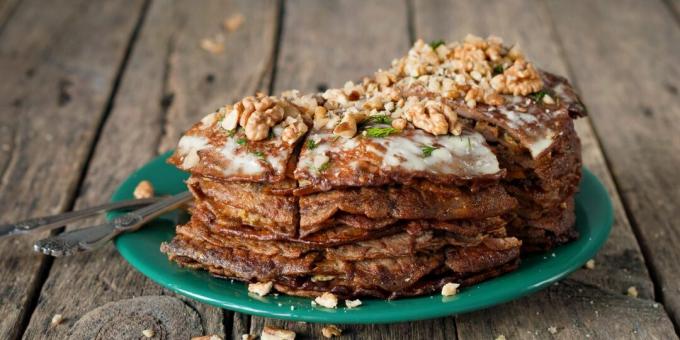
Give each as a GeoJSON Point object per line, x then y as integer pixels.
{"type": "Point", "coordinates": [385, 212]}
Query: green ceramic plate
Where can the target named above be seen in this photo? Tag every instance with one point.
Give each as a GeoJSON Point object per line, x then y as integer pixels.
{"type": "Point", "coordinates": [593, 220]}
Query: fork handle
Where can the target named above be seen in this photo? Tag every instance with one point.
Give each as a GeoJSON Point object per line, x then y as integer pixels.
{"type": "Point", "coordinates": [90, 238]}
{"type": "Point", "coordinates": [55, 221]}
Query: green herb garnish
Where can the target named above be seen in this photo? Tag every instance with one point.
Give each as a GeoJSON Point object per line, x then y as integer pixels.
{"type": "Point", "coordinates": [498, 69]}
{"type": "Point", "coordinates": [436, 43]}
{"type": "Point", "coordinates": [324, 166]}
{"type": "Point", "coordinates": [427, 150]}
{"type": "Point", "coordinates": [311, 144]}
{"type": "Point", "coordinates": [379, 132]}
{"type": "Point", "coordinates": [538, 96]}
{"type": "Point", "coordinates": [259, 154]}
{"type": "Point", "coordinates": [231, 132]}
{"type": "Point", "coordinates": [241, 141]}
{"type": "Point", "coordinates": [378, 119]}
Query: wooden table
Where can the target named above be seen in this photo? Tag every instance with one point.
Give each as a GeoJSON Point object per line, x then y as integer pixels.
{"type": "Point", "coordinates": [90, 90]}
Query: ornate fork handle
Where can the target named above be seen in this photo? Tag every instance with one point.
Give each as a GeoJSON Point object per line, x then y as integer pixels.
{"type": "Point", "coordinates": [55, 221]}
{"type": "Point", "coordinates": [91, 238]}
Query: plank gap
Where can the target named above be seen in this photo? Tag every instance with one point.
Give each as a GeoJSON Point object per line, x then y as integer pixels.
{"type": "Point", "coordinates": [280, 12]}
{"type": "Point", "coordinates": [167, 95]}
{"type": "Point", "coordinates": [7, 12]}
{"type": "Point", "coordinates": [410, 21]}
{"type": "Point", "coordinates": [47, 261]}
{"type": "Point", "coordinates": [673, 10]}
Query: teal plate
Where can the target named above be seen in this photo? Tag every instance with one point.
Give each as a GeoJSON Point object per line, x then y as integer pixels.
{"type": "Point", "coordinates": [141, 249]}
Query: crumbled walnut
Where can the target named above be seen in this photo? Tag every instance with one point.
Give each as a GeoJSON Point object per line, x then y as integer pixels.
{"type": "Point", "coordinates": [271, 333]}
{"type": "Point", "coordinates": [348, 125]}
{"type": "Point", "coordinates": [144, 189]}
{"type": "Point", "coordinates": [590, 264]}
{"type": "Point", "coordinates": [214, 46]}
{"type": "Point", "coordinates": [450, 289]}
{"type": "Point", "coordinates": [293, 129]}
{"type": "Point", "coordinates": [330, 331]}
{"type": "Point", "coordinates": [230, 116]}
{"type": "Point", "coordinates": [352, 303]}
{"type": "Point", "coordinates": [207, 337]}
{"type": "Point", "coordinates": [57, 319]}
{"type": "Point", "coordinates": [148, 333]}
{"type": "Point", "coordinates": [632, 291]}
{"type": "Point", "coordinates": [233, 22]}
{"type": "Point", "coordinates": [399, 123]}
{"type": "Point", "coordinates": [522, 79]}
{"type": "Point", "coordinates": [260, 288]}
{"type": "Point", "coordinates": [328, 300]}
{"type": "Point", "coordinates": [428, 115]}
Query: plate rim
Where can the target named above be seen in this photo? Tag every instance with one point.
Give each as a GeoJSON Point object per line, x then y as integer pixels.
{"type": "Point", "coordinates": [345, 318]}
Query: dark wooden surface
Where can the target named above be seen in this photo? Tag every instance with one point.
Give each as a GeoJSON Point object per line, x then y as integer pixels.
{"type": "Point", "coordinates": [92, 90]}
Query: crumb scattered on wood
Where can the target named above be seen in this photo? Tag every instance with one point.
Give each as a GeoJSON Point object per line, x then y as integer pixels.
{"type": "Point", "coordinates": [271, 333]}
{"type": "Point", "coordinates": [233, 22]}
{"type": "Point", "coordinates": [260, 288]}
{"type": "Point", "coordinates": [214, 45]}
{"type": "Point", "coordinates": [330, 331]}
{"type": "Point", "coordinates": [500, 337]}
{"type": "Point", "coordinates": [57, 319]}
{"type": "Point", "coordinates": [247, 337]}
{"type": "Point", "coordinates": [207, 337]}
{"type": "Point", "coordinates": [450, 289]}
{"type": "Point", "coordinates": [352, 303]}
{"type": "Point", "coordinates": [590, 264]}
{"type": "Point", "coordinates": [552, 330]}
{"type": "Point", "coordinates": [148, 333]}
{"type": "Point", "coordinates": [632, 291]}
{"type": "Point", "coordinates": [143, 190]}
{"type": "Point", "coordinates": [328, 300]}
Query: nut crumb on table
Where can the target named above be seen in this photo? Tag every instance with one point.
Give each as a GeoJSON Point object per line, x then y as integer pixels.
{"type": "Point", "coordinates": [330, 331]}
{"type": "Point", "coordinates": [450, 289]}
{"type": "Point", "coordinates": [632, 291]}
{"type": "Point", "coordinates": [271, 333]}
{"type": "Point", "coordinates": [57, 319]}
{"type": "Point", "coordinates": [233, 22]}
{"type": "Point", "coordinates": [148, 333]}
{"type": "Point", "coordinates": [352, 303]}
{"type": "Point", "coordinates": [207, 337]}
{"type": "Point", "coordinates": [590, 264]}
{"type": "Point", "coordinates": [552, 330]}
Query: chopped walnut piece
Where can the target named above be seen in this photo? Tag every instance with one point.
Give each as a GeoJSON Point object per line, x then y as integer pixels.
{"type": "Point", "coordinates": [328, 300]}
{"type": "Point", "coordinates": [522, 79]}
{"type": "Point", "coordinates": [214, 46]}
{"type": "Point", "coordinates": [233, 22]}
{"type": "Point", "coordinates": [632, 291]}
{"type": "Point", "coordinates": [399, 124]}
{"type": "Point", "coordinates": [144, 189]}
{"type": "Point", "coordinates": [450, 289]}
{"type": "Point", "coordinates": [552, 330]}
{"type": "Point", "coordinates": [148, 333]}
{"type": "Point", "coordinates": [322, 278]}
{"type": "Point", "coordinates": [293, 129]}
{"type": "Point", "coordinates": [260, 288]}
{"type": "Point", "coordinates": [207, 337]}
{"type": "Point", "coordinates": [427, 115]}
{"type": "Point", "coordinates": [330, 331]}
{"type": "Point", "coordinates": [352, 303]}
{"type": "Point", "coordinates": [271, 333]}
{"type": "Point", "coordinates": [590, 264]}
{"type": "Point", "coordinates": [348, 125]}
{"type": "Point", "coordinates": [57, 319]}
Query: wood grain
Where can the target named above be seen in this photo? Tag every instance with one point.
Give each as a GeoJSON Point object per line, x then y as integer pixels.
{"type": "Point", "coordinates": [166, 62]}
{"type": "Point", "coordinates": [53, 96]}
{"type": "Point", "coordinates": [635, 107]}
{"type": "Point", "coordinates": [620, 263]}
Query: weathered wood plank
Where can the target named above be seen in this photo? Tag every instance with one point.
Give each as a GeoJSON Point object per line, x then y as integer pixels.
{"type": "Point", "coordinates": [166, 62]}
{"type": "Point", "coordinates": [52, 97]}
{"type": "Point", "coordinates": [635, 107]}
{"type": "Point", "coordinates": [7, 8]}
{"type": "Point", "coordinates": [620, 263]}
{"type": "Point", "coordinates": [324, 44]}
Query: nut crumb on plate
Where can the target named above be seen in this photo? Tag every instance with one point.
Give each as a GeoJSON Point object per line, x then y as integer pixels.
{"type": "Point", "coordinates": [271, 333]}
{"type": "Point", "coordinates": [352, 303]}
{"type": "Point", "coordinates": [328, 300]}
{"type": "Point", "coordinates": [450, 289]}
{"type": "Point", "coordinates": [144, 189]}
{"type": "Point", "coordinates": [330, 331]}
{"type": "Point", "coordinates": [260, 288]}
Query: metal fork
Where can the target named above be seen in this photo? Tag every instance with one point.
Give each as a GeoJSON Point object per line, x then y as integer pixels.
{"type": "Point", "coordinates": [90, 238]}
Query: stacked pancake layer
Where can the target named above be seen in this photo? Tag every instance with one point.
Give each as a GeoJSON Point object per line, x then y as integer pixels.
{"type": "Point", "coordinates": [396, 207]}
